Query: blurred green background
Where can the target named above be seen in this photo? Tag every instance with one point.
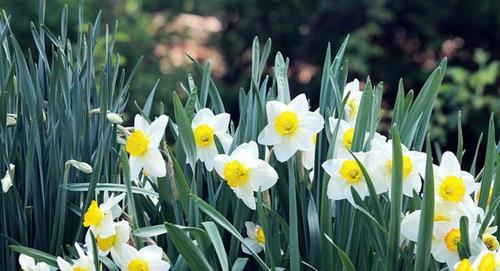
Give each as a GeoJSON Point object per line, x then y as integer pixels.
{"type": "Point", "coordinates": [389, 40]}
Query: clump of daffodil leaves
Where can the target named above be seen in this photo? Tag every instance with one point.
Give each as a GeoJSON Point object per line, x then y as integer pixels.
{"type": "Point", "coordinates": [283, 186]}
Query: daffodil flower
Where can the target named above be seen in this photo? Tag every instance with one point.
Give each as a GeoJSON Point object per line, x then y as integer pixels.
{"type": "Point", "coordinates": [346, 173]}
{"type": "Point", "coordinates": [290, 127]}
{"type": "Point", "coordinates": [27, 263]}
{"type": "Point", "coordinates": [100, 217]}
{"type": "Point", "coordinates": [486, 261]}
{"type": "Point", "coordinates": [148, 258]}
{"type": "Point", "coordinates": [206, 127]}
{"type": "Point", "coordinates": [256, 239]}
{"type": "Point", "coordinates": [7, 179]}
{"type": "Point", "coordinates": [245, 173]}
{"type": "Point", "coordinates": [452, 185]}
{"type": "Point", "coordinates": [381, 166]}
{"type": "Point", "coordinates": [142, 145]}
{"type": "Point", "coordinates": [351, 107]}
{"type": "Point", "coordinates": [490, 240]}
{"type": "Point", "coordinates": [83, 263]}
{"type": "Point", "coordinates": [112, 243]}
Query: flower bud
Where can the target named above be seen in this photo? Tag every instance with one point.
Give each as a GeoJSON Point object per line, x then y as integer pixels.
{"type": "Point", "coordinates": [114, 118]}
{"type": "Point", "coordinates": [81, 166]}
{"type": "Point", "coordinates": [7, 179]}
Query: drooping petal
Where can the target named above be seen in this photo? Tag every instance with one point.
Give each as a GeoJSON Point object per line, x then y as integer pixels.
{"type": "Point", "coordinates": [153, 164]}
{"type": "Point", "coordinates": [122, 229]}
{"type": "Point", "coordinates": [409, 226]}
{"type": "Point", "coordinates": [251, 229]}
{"type": "Point", "coordinates": [225, 140]}
{"type": "Point", "coordinates": [254, 245]}
{"type": "Point", "coordinates": [263, 176]}
{"type": "Point", "coordinates": [245, 193]}
{"type": "Point", "coordinates": [207, 155]}
{"type": "Point", "coordinates": [26, 262]}
{"type": "Point", "coordinates": [135, 164]}
{"type": "Point", "coordinates": [283, 151]}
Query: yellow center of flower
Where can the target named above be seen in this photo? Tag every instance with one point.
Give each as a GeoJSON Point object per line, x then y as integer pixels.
{"type": "Point", "coordinates": [407, 166]}
{"type": "Point", "coordinates": [93, 216]}
{"type": "Point", "coordinates": [451, 239]}
{"type": "Point", "coordinates": [78, 268]}
{"type": "Point", "coordinates": [487, 263]}
{"type": "Point", "coordinates": [353, 106]}
{"type": "Point", "coordinates": [261, 239]}
{"type": "Point", "coordinates": [464, 265]}
{"type": "Point", "coordinates": [351, 172]}
{"type": "Point", "coordinates": [138, 265]}
{"type": "Point", "coordinates": [490, 242]}
{"type": "Point", "coordinates": [235, 174]}
{"type": "Point", "coordinates": [438, 217]}
{"type": "Point", "coordinates": [347, 138]}
{"type": "Point", "coordinates": [204, 135]}
{"type": "Point", "coordinates": [287, 123]}
{"type": "Point", "coordinates": [452, 189]}
{"type": "Point", "coordinates": [137, 143]}
{"type": "Point", "coordinates": [105, 244]}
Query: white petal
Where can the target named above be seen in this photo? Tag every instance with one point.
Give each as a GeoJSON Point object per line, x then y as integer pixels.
{"type": "Point", "coordinates": [246, 195]}
{"type": "Point", "coordinates": [225, 140]}
{"type": "Point", "coordinates": [220, 123]}
{"type": "Point", "coordinates": [63, 265]}
{"type": "Point", "coordinates": [299, 104]}
{"type": "Point", "coordinates": [254, 245]}
{"type": "Point", "coordinates": [207, 155]}
{"type": "Point", "coordinates": [449, 163]}
{"type": "Point", "coordinates": [127, 253]}
{"type": "Point", "coordinates": [343, 125]}
{"type": "Point", "coordinates": [220, 162]}
{"type": "Point", "coordinates": [26, 262]}
{"type": "Point", "coordinates": [159, 265]}
{"type": "Point", "coordinates": [151, 253]}
{"type": "Point", "coordinates": [273, 109]}
{"type": "Point", "coordinates": [106, 226]}
{"type": "Point", "coordinates": [283, 151]}
{"type": "Point", "coordinates": [202, 117]}
{"type": "Point", "coordinates": [352, 88]}
{"type": "Point", "coordinates": [115, 199]}
{"type": "Point", "coordinates": [122, 229]}
{"type": "Point", "coordinates": [251, 229]}
{"type": "Point", "coordinates": [410, 224]}
{"type": "Point", "coordinates": [140, 123]}
{"type": "Point", "coordinates": [135, 164]}
{"type": "Point", "coordinates": [263, 176]}
{"type": "Point", "coordinates": [302, 140]}
{"type": "Point", "coordinates": [268, 136]}
{"type": "Point", "coordinates": [247, 154]}
{"type": "Point", "coordinates": [312, 122]}
{"type": "Point", "coordinates": [157, 129]}
{"type": "Point", "coordinates": [153, 164]}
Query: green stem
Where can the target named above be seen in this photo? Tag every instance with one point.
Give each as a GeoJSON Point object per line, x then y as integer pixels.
{"type": "Point", "coordinates": [292, 206]}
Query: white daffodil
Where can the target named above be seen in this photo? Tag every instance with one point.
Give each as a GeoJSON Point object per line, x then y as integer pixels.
{"type": "Point", "coordinates": [446, 237]}
{"type": "Point", "coordinates": [381, 166]}
{"type": "Point", "coordinates": [206, 126]}
{"type": "Point", "coordinates": [7, 179]}
{"type": "Point", "coordinates": [112, 243]}
{"type": "Point", "coordinates": [256, 239]}
{"type": "Point", "coordinates": [83, 263]}
{"type": "Point", "coordinates": [452, 185]}
{"type": "Point", "coordinates": [443, 213]}
{"type": "Point", "coordinates": [148, 258]}
{"type": "Point", "coordinates": [245, 173]}
{"type": "Point", "coordinates": [100, 218]}
{"type": "Point", "coordinates": [27, 263]}
{"type": "Point", "coordinates": [352, 104]}
{"type": "Point", "coordinates": [290, 127]}
{"type": "Point", "coordinates": [346, 173]}
{"type": "Point", "coordinates": [142, 145]}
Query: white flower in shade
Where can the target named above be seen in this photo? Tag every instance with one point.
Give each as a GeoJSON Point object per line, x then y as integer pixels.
{"type": "Point", "coordinates": [290, 127]}
{"type": "Point", "coordinates": [112, 243]}
{"type": "Point", "coordinates": [446, 237]}
{"type": "Point", "coordinates": [148, 258]}
{"type": "Point", "coordinates": [245, 173]}
{"type": "Point", "coordinates": [27, 263]}
{"type": "Point", "coordinates": [100, 217]}
{"type": "Point", "coordinates": [345, 135]}
{"type": "Point", "coordinates": [7, 179]}
{"type": "Point", "coordinates": [381, 166]}
{"type": "Point", "coordinates": [83, 263]}
{"type": "Point", "coordinates": [206, 126]}
{"type": "Point", "coordinates": [352, 104]}
{"type": "Point", "coordinates": [452, 185]}
{"type": "Point", "coordinates": [308, 157]}
{"type": "Point", "coordinates": [142, 145]}
{"type": "Point", "coordinates": [256, 239]}
{"type": "Point", "coordinates": [346, 173]}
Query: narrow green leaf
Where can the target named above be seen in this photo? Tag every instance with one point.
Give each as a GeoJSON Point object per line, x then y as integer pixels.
{"type": "Point", "coordinates": [214, 235]}
{"type": "Point", "coordinates": [346, 262]}
{"type": "Point", "coordinates": [185, 137]}
{"type": "Point", "coordinates": [489, 164]}
{"type": "Point", "coordinates": [38, 255]}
